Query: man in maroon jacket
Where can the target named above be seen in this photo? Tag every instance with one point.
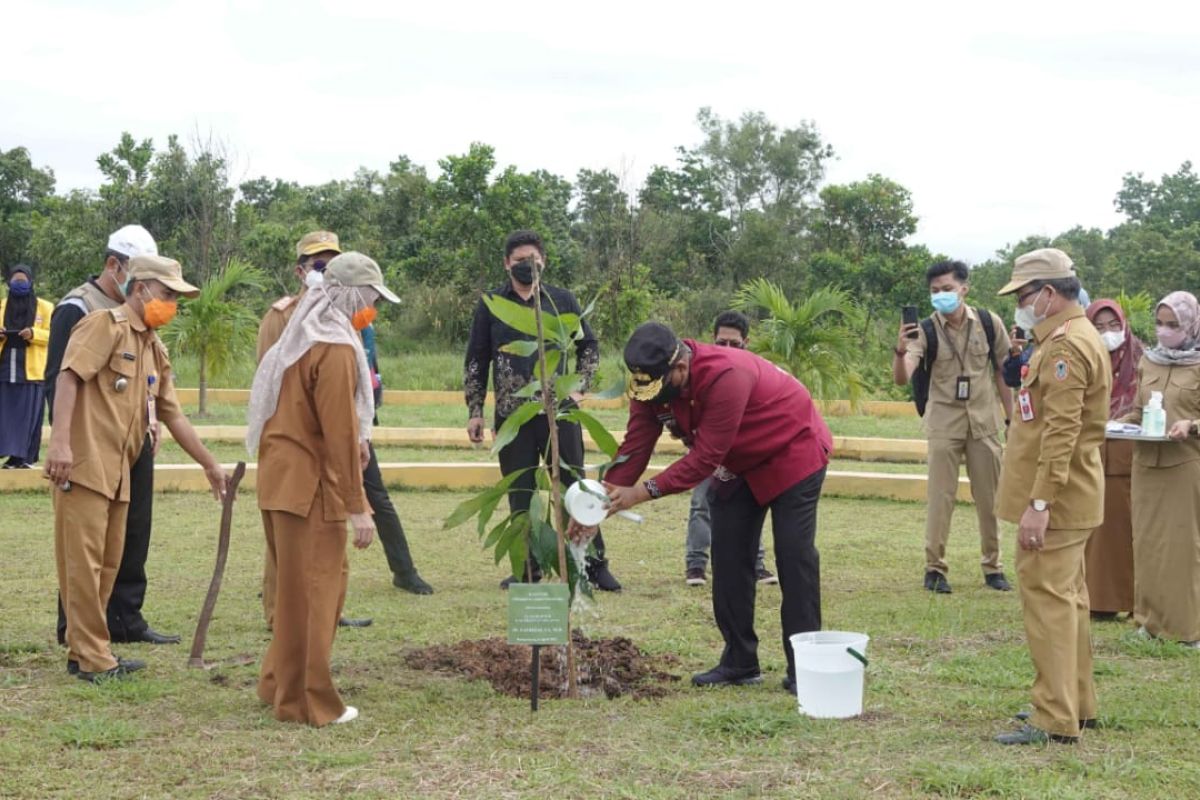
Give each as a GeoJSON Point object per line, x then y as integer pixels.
{"type": "Point", "coordinates": [754, 428]}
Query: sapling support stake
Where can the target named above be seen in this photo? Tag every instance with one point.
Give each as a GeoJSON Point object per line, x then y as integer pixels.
{"type": "Point", "coordinates": [556, 516]}
{"type": "Point", "coordinates": [535, 669]}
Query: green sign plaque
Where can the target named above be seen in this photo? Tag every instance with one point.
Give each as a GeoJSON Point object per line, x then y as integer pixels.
{"type": "Point", "coordinates": [537, 613]}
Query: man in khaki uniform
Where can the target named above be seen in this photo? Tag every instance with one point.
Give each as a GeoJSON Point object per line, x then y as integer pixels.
{"type": "Point", "coordinates": [115, 381]}
{"type": "Point", "coordinates": [1052, 486]}
{"type": "Point", "coordinates": [967, 402]}
{"type": "Point", "coordinates": [314, 251]}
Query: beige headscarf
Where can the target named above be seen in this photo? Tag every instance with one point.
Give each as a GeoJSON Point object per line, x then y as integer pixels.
{"type": "Point", "coordinates": [322, 316]}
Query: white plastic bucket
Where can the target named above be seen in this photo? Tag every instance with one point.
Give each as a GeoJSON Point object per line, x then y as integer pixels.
{"type": "Point", "coordinates": [829, 677]}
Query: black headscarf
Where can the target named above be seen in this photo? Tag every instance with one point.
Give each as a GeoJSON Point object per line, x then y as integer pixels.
{"type": "Point", "coordinates": [19, 312]}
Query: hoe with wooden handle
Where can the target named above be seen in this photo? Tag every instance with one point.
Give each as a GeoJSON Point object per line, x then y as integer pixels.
{"type": "Point", "coordinates": [210, 601]}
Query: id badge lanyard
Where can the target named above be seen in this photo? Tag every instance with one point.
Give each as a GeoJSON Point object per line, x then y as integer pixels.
{"type": "Point", "coordinates": [962, 384]}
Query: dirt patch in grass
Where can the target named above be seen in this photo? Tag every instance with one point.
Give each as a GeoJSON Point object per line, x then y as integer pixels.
{"type": "Point", "coordinates": [610, 667]}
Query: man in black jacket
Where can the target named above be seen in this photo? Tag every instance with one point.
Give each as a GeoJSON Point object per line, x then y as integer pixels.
{"type": "Point", "coordinates": [510, 373]}
{"type": "Point", "coordinates": [125, 620]}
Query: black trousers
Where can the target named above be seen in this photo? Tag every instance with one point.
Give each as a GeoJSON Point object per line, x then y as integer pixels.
{"type": "Point", "coordinates": [125, 620]}
{"type": "Point", "coordinates": [387, 522]}
{"type": "Point", "coordinates": [530, 448]}
{"type": "Point", "coordinates": [737, 521]}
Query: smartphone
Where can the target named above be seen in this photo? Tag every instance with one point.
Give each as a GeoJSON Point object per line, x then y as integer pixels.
{"type": "Point", "coordinates": [908, 315]}
{"type": "Point", "coordinates": [1023, 334]}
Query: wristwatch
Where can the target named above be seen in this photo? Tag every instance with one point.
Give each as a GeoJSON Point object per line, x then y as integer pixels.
{"type": "Point", "coordinates": [1038, 505]}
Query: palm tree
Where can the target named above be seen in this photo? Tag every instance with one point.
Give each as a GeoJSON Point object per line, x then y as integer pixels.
{"type": "Point", "coordinates": [215, 327]}
{"type": "Point", "coordinates": [814, 340]}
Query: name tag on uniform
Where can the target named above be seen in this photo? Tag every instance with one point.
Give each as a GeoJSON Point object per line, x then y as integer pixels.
{"type": "Point", "coordinates": [962, 388]}
{"type": "Point", "coordinates": [129, 356]}
{"type": "Point", "coordinates": [1025, 404]}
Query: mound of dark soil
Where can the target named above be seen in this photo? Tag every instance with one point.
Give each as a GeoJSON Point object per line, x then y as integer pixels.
{"type": "Point", "coordinates": [612, 667]}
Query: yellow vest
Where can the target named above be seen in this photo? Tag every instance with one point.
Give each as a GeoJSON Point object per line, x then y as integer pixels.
{"type": "Point", "coordinates": [35, 353]}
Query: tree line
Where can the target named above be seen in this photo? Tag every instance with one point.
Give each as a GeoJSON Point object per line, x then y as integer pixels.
{"type": "Point", "coordinates": [746, 203]}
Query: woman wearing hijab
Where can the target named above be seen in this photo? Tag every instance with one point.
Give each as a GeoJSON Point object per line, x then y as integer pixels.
{"type": "Point", "coordinates": [309, 422]}
{"type": "Point", "coordinates": [1109, 554]}
{"type": "Point", "coordinates": [1166, 479]}
{"type": "Point", "coordinates": [22, 368]}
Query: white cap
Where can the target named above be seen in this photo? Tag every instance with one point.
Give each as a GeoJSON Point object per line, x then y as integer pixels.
{"type": "Point", "coordinates": [132, 241]}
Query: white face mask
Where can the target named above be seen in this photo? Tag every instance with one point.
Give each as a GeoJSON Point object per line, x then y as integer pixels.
{"type": "Point", "coordinates": [1026, 317]}
{"type": "Point", "coordinates": [1113, 339]}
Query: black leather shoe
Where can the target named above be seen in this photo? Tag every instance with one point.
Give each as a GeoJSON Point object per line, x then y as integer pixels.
{"type": "Point", "coordinates": [789, 685]}
{"type": "Point", "coordinates": [1031, 735]}
{"type": "Point", "coordinates": [1087, 724]}
{"type": "Point", "coordinates": [151, 636]}
{"type": "Point", "coordinates": [122, 669]}
{"type": "Point", "coordinates": [537, 578]}
{"type": "Point", "coordinates": [412, 584]}
{"type": "Point", "coordinates": [727, 676]}
{"type": "Point", "coordinates": [997, 581]}
{"type": "Point", "coordinates": [601, 578]}
{"type": "Point", "coordinates": [936, 582]}
{"type": "Point", "coordinates": [72, 666]}
{"type": "Point", "coordinates": [347, 622]}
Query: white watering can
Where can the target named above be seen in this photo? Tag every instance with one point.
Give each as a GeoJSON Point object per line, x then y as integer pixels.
{"type": "Point", "coordinates": [587, 502]}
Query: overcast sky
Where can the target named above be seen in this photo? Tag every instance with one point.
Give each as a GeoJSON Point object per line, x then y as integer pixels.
{"type": "Point", "coordinates": [1017, 120]}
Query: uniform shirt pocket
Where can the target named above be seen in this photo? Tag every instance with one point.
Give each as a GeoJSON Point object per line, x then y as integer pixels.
{"type": "Point", "coordinates": [124, 372]}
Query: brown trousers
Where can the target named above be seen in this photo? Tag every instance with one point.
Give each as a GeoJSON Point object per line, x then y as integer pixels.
{"type": "Point", "coordinates": [1110, 548]}
{"type": "Point", "coordinates": [983, 470]}
{"type": "Point", "coordinates": [89, 537]}
{"type": "Point", "coordinates": [1054, 600]}
{"type": "Point", "coordinates": [268, 584]}
{"type": "Point", "coordinates": [311, 573]}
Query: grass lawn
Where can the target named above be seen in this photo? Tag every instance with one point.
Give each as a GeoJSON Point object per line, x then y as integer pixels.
{"type": "Point", "coordinates": [946, 673]}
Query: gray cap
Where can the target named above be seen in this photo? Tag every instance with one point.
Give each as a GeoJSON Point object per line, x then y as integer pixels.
{"type": "Point", "coordinates": [1047, 264]}
{"type": "Point", "coordinates": [355, 269]}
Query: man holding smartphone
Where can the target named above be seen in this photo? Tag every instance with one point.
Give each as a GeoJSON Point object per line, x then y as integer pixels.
{"type": "Point", "coordinates": [967, 401]}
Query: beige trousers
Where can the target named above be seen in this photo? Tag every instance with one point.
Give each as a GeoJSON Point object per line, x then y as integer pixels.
{"type": "Point", "coordinates": [89, 537]}
{"type": "Point", "coordinates": [983, 471]}
{"type": "Point", "coordinates": [1054, 601]}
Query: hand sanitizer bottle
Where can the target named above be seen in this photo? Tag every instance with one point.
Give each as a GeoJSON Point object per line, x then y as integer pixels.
{"type": "Point", "coordinates": [1154, 418]}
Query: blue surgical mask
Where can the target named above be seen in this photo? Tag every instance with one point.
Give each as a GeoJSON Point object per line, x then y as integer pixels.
{"type": "Point", "coordinates": [945, 302]}
{"type": "Point", "coordinates": [19, 289]}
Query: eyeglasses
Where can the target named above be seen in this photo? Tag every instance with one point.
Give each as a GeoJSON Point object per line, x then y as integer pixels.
{"type": "Point", "coordinates": [1021, 298]}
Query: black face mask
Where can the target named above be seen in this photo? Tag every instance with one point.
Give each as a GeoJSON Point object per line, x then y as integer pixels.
{"type": "Point", "coordinates": [668, 392]}
{"type": "Point", "coordinates": [522, 272]}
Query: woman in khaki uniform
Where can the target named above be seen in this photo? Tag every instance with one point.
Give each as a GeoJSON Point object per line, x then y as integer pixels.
{"type": "Point", "coordinates": [1109, 554]}
{"type": "Point", "coordinates": [1166, 479]}
{"type": "Point", "coordinates": [310, 423]}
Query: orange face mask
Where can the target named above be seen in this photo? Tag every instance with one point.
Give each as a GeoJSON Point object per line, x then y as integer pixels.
{"type": "Point", "coordinates": [157, 313]}
{"type": "Point", "coordinates": [363, 317]}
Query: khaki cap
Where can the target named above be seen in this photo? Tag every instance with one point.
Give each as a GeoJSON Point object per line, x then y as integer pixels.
{"type": "Point", "coordinates": [1047, 264]}
{"type": "Point", "coordinates": [356, 269]}
{"type": "Point", "coordinates": [164, 270]}
{"type": "Point", "coordinates": [317, 242]}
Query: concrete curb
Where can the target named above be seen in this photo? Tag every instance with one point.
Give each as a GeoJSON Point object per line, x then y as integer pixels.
{"type": "Point", "coordinates": [460, 476]}
{"type": "Point", "coordinates": [395, 397]}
